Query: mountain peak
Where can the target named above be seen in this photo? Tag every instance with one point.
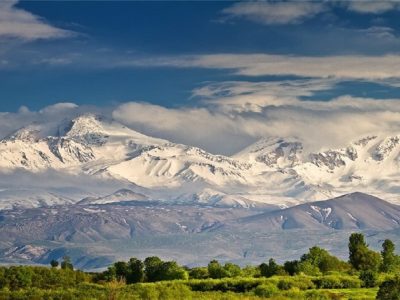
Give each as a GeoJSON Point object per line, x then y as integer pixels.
{"type": "Point", "coordinates": [273, 151]}
{"type": "Point", "coordinates": [29, 133]}
{"type": "Point", "coordinates": [83, 125]}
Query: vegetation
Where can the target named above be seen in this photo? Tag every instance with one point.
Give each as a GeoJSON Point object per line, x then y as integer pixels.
{"type": "Point", "coordinates": [316, 275]}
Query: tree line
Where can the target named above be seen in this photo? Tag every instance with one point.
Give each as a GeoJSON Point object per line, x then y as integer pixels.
{"type": "Point", "coordinates": [316, 261]}
{"type": "Point", "coordinates": [363, 268]}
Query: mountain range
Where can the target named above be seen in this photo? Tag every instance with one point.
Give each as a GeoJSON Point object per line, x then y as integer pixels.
{"type": "Point", "coordinates": [273, 171]}
{"type": "Point", "coordinates": [96, 233]}
{"type": "Point", "coordinates": [98, 191]}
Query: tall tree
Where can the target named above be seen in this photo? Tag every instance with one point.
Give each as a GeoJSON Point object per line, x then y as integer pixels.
{"type": "Point", "coordinates": [135, 271]}
{"type": "Point", "coordinates": [270, 269]}
{"type": "Point", "coordinates": [152, 266]}
{"type": "Point", "coordinates": [360, 257]}
{"type": "Point", "coordinates": [390, 261]}
{"type": "Point", "coordinates": [121, 270]}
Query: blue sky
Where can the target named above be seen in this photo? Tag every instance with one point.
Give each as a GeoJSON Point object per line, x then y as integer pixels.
{"type": "Point", "coordinates": [219, 57]}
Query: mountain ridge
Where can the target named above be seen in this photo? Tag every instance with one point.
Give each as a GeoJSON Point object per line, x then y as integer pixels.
{"type": "Point", "coordinates": [274, 170]}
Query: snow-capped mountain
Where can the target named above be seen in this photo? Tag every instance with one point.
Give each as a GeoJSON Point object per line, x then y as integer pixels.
{"type": "Point", "coordinates": [122, 195]}
{"type": "Point", "coordinates": [275, 171]}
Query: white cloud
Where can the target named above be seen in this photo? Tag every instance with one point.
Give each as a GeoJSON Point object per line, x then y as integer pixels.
{"type": "Point", "coordinates": [372, 6]}
{"type": "Point", "coordinates": [347, 66]}
{"type": "Point", "coordinates": [275, 12]}
{"type": "Point", "coordinates": [236, 114]}
{"type": "Point", "coordinates": [231, 115]}
{"type": "Point", "coordinates": [21, 24]}
{"type": "Point", "coordinates": [294, 12]}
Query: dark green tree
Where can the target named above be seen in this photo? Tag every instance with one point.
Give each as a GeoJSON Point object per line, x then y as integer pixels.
{"type": "Point", "coordinates": [390, 261]}
{"type": "Point", "coordinates": [389, 289]}
{"type": "Point", "coordinates": [152, 266]}
{"type": "Point", "coordinates": [121, 270]}
{"type": "Point", "coordinates": [135, 271]}
{"type": "Point", "coordinates": [360, 257]}
{"type": "Point", "coordinates": [270, 269]}
{"type": "Point", "coordinates": [291, 267]}
{"type": "Point", "coordinates": [54, 263]}
{"type": "Point", "coordinates": [66, 263]}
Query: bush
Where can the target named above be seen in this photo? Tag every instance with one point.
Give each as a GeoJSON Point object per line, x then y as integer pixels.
{"type": "Point", "coordinates": [389, 290]}
{"type": "Point", "coordinates": [198, 273]}
{"type": "Point", "coordinates": [369, 278]}
{"type": "Point", "coordinates": [266, 290]}
{"type": "Point", "coordinates": [337, 282]}
{"type": "Point", "coordinates": [285, 284]}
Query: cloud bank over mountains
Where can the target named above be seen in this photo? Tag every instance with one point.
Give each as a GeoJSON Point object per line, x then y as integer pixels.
{"type": "Point", "coordinates": [231, 115]}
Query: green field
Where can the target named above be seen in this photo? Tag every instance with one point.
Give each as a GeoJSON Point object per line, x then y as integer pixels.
{"type": "Point", "coordinates": [75, 285]}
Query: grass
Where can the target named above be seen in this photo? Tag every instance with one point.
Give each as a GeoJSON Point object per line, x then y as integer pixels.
{"type": "Point", "coordinates": [296, 288]}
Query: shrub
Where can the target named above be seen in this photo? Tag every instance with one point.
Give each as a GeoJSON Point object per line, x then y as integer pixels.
{"type": "Point", "coordinates": [369, 278]}
{"type": "Point", "coordinates": [337, 282]}
{"type": "Point", "coordinates": [285, 284]}
{"type": "Point", "coordinates": [266, 290]}
{"type": "Point", "coordinates": [389, 290]}
{"type": "Point", "coordinates": [198, 273]}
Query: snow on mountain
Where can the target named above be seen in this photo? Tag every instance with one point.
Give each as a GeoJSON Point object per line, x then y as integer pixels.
{"type": "Point", "coordinates": [274, 170]}
{"type": "Point", "coordinates": [30, 198]}
{"type": "Point", "coordinates": [122, 195]}
{"type": "Point", "coordinates": [273, 152]}
{"type": "Point", "coordinates": [85, 139]}
{"type": "Point", "coordinates": [352, 211]}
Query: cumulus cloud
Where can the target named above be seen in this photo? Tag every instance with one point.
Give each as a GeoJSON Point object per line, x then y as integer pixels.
{"type": "Point", "coordinates": [275, 12]}
{"type": "Point", "coordinates": [21, 24]}
{"type": "Point", "coordinates": [236, 114]}
{"type": "Point", "coordinates": [232, 115]}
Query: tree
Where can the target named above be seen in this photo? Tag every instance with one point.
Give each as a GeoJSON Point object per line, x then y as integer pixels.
{"type": "Point", "coordinates": [152, 265]}
{"type": "Point", "coordinates": [389, 289]}
{"type": "Point", "coordinates": [306, 267]}
{"type": "Point", "coordinates": [54, 263]}
{"type": "Point", "coordinates": [216, 270]}
{"type": "Point", "coordinates": [232, 270]}
{"type": "Point", "coordinates": [323, 260]}
{"type": "Point", "coordinates": [170, 270]}
{"type": "Point", "coordinates": [66, 263]}
{"type": "Point", "coordinates": [356, 242]}
{"type": "Point", "coordinates": [121, 270]}
{"type": "Point", "coordinates": [390, 261]}
{"type": "Point", "coordinates": [271, 268]}
{"type": "Point", "coordinates": [199, 273]}
{"type": "Point", "coordinates": [360, 257]}
{"type": "Point", "coordinates": [135, 271]}
{"type": "Point", "coordinates": [291, 267]}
